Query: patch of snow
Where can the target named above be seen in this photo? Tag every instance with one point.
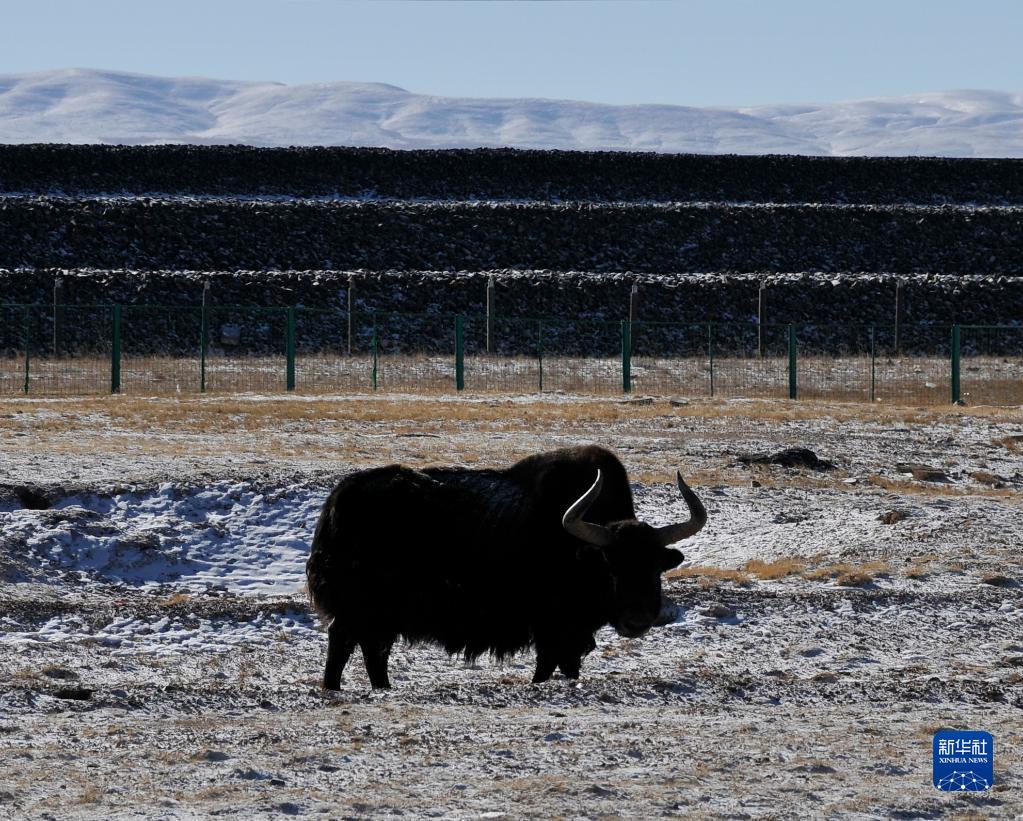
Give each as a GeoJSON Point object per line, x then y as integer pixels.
{"type": "Point", "coordinates": [225, 535]}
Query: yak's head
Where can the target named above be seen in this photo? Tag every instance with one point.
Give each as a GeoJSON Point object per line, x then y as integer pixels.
{"type": "Point", "coordinates": [635, 555]}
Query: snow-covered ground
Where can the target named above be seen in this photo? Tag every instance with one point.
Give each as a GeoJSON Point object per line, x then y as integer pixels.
{"type": "Point", "coordinates": [158, 657]}
{"type": "Point", "coordinates": [225, 534]}
{"type": "Point", "coordinates": [94, 106]}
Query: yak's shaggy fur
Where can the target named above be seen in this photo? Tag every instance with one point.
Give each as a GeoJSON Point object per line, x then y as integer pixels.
{"type": "Point", "coordinates": [479, 562]}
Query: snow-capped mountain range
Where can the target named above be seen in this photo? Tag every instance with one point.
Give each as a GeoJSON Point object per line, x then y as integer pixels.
{"type": "Point", "coordinates": [93, 106]}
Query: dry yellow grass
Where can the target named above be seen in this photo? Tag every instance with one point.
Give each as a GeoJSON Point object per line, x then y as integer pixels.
{"type": "Point", "coordinates": [246, 668]}
{"type": "Point", "coordinates": [484, 430]}
{"type": "Point", "coordinates": [920, 566]}
{"type": "Point", "coordinates": [709, 575]}
{"type": "Point", "coordinates": [176, 598]}
{"type": "Point", "coordinates": [843, 574]}
{"type": "Point", "coordinates": [209, 793]}
{"type": "Point", "coordinates": [246, 413]}
{"type": "Point", "coordinates": [855, 578]}
{"type": "Point", "coordinates": [848, 575]}
{"type": "Point", "coordinates": [916, 488]}
{"type": "Point", "coordinates": [1013, 443]}
{"type": "Point", "coordinates": [778, 569]}
{"type": "Point", "coordinates": [89, 795]}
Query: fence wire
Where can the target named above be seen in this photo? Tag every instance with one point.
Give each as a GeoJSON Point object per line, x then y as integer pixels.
{"type": "Point", "coordinates": [672, 360]}
{"type": "Point", "coordinates": [414, 353]}
{"type": "Point", "coordinates": [332, 353]}
{"type": "Point", "coordinates": [14, 323]}
{"type": "Point", "coordinates": [504, 355]}
{"type": "Point", "coordinates": [749, 361]}
{"type": "Point", "coordinates": [991, 375]}
{"type": "Point", "coordinates": [146, 349]}
{"type": "Point", "coordinates": [915, 368]}
{"type": "Point", "coordinates": [532, 355]}
{"type": "Point", "coordinates": [67, 351]}
{"type": "Point", "coordinates": [246, 350]}
{"type": "Point", "coordinates": [581, 356]}
{"type": "Point", "coordinates": [160, 349]}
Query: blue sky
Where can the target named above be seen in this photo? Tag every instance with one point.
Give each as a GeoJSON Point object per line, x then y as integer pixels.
{"type": "Point", "coordinates": [689, 52]}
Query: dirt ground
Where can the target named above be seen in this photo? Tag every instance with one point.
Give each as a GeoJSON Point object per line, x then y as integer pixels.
{"type": "Point", "coordinates": [827, 622]}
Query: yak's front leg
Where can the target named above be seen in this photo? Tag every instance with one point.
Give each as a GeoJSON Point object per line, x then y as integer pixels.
{"type": "Point", "coordinates": [571, 661]}
{"type": "Point", "coordinates": [571, 666]}
{"type": "Point", "coordinates": [340, 645]}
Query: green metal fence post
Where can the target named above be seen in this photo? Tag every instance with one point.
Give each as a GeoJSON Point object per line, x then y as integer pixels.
{"type": "Point", "coordinates": [291, 349]}
{"type": "Point", "coordinates": [115, 353]}
{"type": "Point", "coordinates": [203, 335]}
{"type": "Point", "coordinates": [873, 364]}
{"type": "Point", "coordinates": [374, 344]}
{"type": "Point", "coordinates": [28, 342]}
{"type": "Point", "coordinates": [203, 343]}
{"type": "Point", "coordinates": [626, 356]}
{"type": "Point", "coordinates": [459, 353]}
{"type": "Point", "coordinates": [539, 350]}
{"type": "Point", "coordinates": [956, 350]}
{"type": "Point", "coordinates": [792, 362]}
{"type": "Point", "coordinates": [710, 354]}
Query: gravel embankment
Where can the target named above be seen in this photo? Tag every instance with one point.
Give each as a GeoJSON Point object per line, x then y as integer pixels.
{"type": "Point", "coordinates": [493, 174]}
{"type": "Point", "coordinates": [154, 233]}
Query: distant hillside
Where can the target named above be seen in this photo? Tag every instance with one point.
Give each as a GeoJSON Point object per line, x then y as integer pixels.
{"type": "Point", "coordinates": [90, 106]}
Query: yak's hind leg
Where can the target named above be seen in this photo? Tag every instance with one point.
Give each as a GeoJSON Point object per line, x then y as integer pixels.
{"type": "Point", "coordinates": [375, 652]}
{"type": "Point", "coordinates": [340, 645]}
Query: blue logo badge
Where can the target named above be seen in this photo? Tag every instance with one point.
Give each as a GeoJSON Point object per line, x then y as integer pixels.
{"type": "Point", "coordinates": [964, 760]}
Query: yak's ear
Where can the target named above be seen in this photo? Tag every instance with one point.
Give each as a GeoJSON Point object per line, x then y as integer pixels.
{"type": "Point", "coordinates": [671, 558]}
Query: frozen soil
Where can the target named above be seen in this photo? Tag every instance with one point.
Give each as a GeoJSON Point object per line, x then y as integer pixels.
{"type": "Point", "coordinates": [158, 657]}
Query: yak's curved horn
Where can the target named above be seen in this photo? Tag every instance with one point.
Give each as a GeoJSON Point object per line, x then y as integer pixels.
{"type": "Point", "coordinates": [697, 512]}
{"type": "Point", "coordinates": [573, 522]}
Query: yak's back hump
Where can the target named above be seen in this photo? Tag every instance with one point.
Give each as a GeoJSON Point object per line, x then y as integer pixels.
{"type": "Point", "coordinates": [557, 478]}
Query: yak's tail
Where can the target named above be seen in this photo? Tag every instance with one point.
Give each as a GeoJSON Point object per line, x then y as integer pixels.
{"type": "Point", "coordinates": [324, 558]}
{"type": "Point", "coordinates": [339, 556]}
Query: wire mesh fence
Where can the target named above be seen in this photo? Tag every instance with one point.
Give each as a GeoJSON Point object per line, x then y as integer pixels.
{"type": "Point", "coordinates": [246, 350]}
{"type": "Point", "coordinates": [915, 368]}
{"type": "Point", "coordinates": [415, 353]}
{"type": "Point", "coordinates": [670, 359]}
{"type": "Point", "coordinates": [67, 352]}
{"type": "Point", "coordinates": [750, 361]}
{"type": "Point", "coordinates": [75, 350]}
{"type": "Point", "coordinates": [328, 359]}
{"type": "Point", "coordinates": [991, 364]}
{"type": "Point", "coordinates": [504, 355]}
{"type": "Point", "coordinates": [14, 323]}
{"type": "Point", "coordinates": [159, 349]}
{"type": "Point", "coordinates": [580, 356]}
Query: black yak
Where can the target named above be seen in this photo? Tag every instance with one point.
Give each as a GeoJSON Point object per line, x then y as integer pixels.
{"type": "Point", "coordinates": [541, 554]}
